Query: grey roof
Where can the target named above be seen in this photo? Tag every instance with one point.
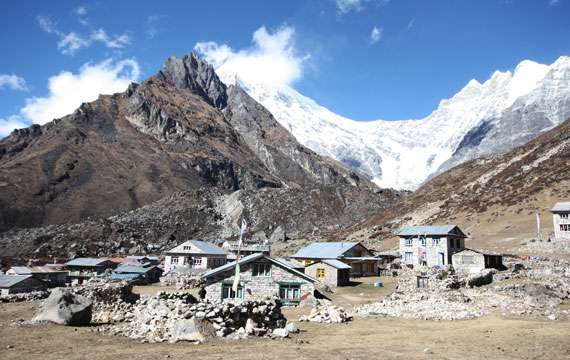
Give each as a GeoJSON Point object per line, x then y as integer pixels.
{"type": "Point", "coordinates": [7, 281]}
{"type": "Point", "coordinates": [86, 262]}
{"type": "Point", "coordinates": [203, 246]}
{"type": "Point", "coordinates": [337, 264]}
{"type": "Point", "coordinates": [561, 206]}
{"type": "Point", "coordinates": [250, 258]}
{"type": "Point", "coordinates": [290, 262]}
{"type": "Point", "coordinates": [129, 268]}
{"type": "Point", "coordinates": [22, 270]}
{"type": "Point", "coordinates": [324, 250]}
{"type": "Point", "coordinates": [429, 230]}
{"type": "Point", "coordinates": [480, 251]}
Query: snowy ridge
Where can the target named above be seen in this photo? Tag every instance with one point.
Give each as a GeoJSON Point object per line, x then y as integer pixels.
{"type": "Point", "coordinates": [402, 154]}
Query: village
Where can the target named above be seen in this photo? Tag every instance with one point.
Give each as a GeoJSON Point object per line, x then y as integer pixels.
{"type": "Point", "coordinates": [200, 291]}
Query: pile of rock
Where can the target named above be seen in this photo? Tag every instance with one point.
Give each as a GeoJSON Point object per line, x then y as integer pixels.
{"type": "Point", "coordinates": [326, 312]}
{"type": "Point", "coordinates": [181, 280]}
{"type": "Point", "coordinates": [30, 296]}
{"type": "Point", "coordinates": [181, 317]}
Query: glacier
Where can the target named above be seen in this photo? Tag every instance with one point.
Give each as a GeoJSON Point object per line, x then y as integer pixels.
{"type": "Point", "coordinates": [403, 154]}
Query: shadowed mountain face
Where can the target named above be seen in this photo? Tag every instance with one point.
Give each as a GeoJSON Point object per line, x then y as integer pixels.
{"type": "Point", "coordinates": [180, 130]}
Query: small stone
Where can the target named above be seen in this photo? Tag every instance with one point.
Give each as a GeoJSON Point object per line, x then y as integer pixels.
{"type": "Point", "coordinates": [428, 351]}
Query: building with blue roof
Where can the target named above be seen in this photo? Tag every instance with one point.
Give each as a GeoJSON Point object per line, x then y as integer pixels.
{"type": "Point", "coordinates": [331, 272]}
{"type": "Point", "coordinates": [432, 246]}
{"type": "Point", "coordinates": [147, 273]}
{"type": "Point", "coordinates": [81, 269]}
{"type": "Point", "coordinates": [195, 255]}
{"type": "Point", "coordinates": [362, 261]}
{"type": "Point", "coordinates": [14, 284]}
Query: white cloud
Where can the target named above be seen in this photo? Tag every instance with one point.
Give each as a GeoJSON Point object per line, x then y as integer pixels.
{"type": "Point", "coordinates": [12, 82]}
{"type": "Point", "coordinates": [271, 60]}
{"type": "Point", "coordinates": [151, 25]}
{"type": "Point", "coordinates": [68, 90]}
{"type": "Point", "coordinates": [71, 42]}
{"type": "Point", "coordinates": [411, 23]}
{"type": "Point", "coordinates": [375, 35]}
{"type": "Point", "coordinates": [81, 11]}
{"type": "Point", "coordinates": [11, 123]}
{"type": "Point", "coordinates": [346, 6]}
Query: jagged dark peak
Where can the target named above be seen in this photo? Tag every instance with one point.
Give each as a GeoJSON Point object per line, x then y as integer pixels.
{"type": "Point", "coordinates": [195, 74]}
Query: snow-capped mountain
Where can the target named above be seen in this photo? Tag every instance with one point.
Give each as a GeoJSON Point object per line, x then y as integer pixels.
{"type": "Point", "coordinates": [507, 110]}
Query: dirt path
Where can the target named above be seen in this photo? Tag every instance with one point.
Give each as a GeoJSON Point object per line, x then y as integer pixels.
{"type": "Point", "coordinates": [489, 337]}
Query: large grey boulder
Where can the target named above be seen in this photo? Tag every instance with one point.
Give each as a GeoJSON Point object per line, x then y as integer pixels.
{"type": "Point", "coordinates": [482, 278]}
{"type": "Point", "coordinates": [63, 307]}
{"type": "Point", "coordinates": [195, 329]}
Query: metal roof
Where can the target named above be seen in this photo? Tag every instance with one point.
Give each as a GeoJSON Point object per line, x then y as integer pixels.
{"type": "Point", "coordinates": [429, 230]}
{"type": "Point", "coordinates": [325, 250]}
{"type": "Point", "coordinates": [290, 262]}
{"type": "Point", "coordinates": [7, 281]}
{"type": "Point", "coordinates": [337, 264]}
{"type": "Point", "coordinates": [21, 270]}
{"type": "Point", "coordinates": [561, 206]}
{"type": "Point", "coordinates": [253, 257]}
{"type": "Point", "coordinates": [86, 262]}
{"type": "Point", "coordinates": [124, 276]}
{"type": "Point", "coordinates": [129, 268]}
{"type": "Point", "coordinates": [204, 247]}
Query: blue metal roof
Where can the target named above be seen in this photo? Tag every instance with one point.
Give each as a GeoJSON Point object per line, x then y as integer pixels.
{"type": "Point", "coordinates": [231, 265]}
{"type": "Point", "coordinates": [325, 250]}
{"type": "Point", "coordinates": [86, 262]}
{"type": "Point", "coordinates": [429, 230]}
{"type": "Point", "coordinates": [125, 276]}
{"type": "Point", "coordinates": [22, 270]}
{"type": "Point", "coordinates": [7, 281]}
{"type": "Point", "coordinates": [205, 247]}
{"type": "Point", "coordinates": [129, 268]}
{"type": "Point", "coordinates": [337, 264]}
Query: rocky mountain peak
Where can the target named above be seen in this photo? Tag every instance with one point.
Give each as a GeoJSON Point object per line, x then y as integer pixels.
{"type": "Point", "coordinates": [197, 75]}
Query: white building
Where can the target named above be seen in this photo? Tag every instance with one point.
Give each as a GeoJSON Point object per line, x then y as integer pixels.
{"type": "Point", "coordinates": [430, 245]}
{"type": "Point", "coordinates": [561, 220]}
{"type": "Point", "coordinates": [194, 254]}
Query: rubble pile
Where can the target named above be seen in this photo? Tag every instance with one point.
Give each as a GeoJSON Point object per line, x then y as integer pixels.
{"type": "Point", "coordinates": [112, 301]}
{"type": "Point", "coordinates": [181, 280]}
{"type": "Point", "coordinates": [30, 296]}
{"type": "Point", "coordinates": [535, 289]}
{"type": "Point", "coordinates": [325, 312]}
{"type": "Point", "coordinates": [181, 317]}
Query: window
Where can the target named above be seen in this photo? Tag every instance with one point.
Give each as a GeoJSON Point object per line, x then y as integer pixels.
{"type": "Point", "coordinates": [174, 260]}
{"type": "Point", "coordinates": [261, 269]}
{"type": "Point", "coordinates": [423, 241]}
{"type": "Point", "coordinates": [290, 292]}
{"type": "Point", "coordinates": [435, 241]}
{"type": "Point", "coordinates": [408, 256]}
{"type": "Point", "coordinates": [320, 273]}
{"type": "Point", "coordinates": [468, 259]}
{"type": "Point", "coordinates": [564, 227]}
{"type": "Point", "coordinates": [229, 293]}
{"type": "Point", "coordinates": [197, 261]}
{"type": "Point", "coordinates": [187, 248]}
{"type": "Point", "coordinates": [564, 215]}
{"type": "Point", "coordinates": [409, 242]}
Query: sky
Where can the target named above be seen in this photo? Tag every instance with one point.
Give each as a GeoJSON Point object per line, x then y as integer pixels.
{"type": "Point", "coordinates": [363, 59]}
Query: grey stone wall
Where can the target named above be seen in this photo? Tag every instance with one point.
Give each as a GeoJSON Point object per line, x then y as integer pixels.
{"type": "Point", "coordinates": [331, 273]}
{"type": "Point", "coordinates": [256, 287]}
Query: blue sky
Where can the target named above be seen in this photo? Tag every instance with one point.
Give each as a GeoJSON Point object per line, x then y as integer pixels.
{"type": "Point", "coordinates": [364, 59]}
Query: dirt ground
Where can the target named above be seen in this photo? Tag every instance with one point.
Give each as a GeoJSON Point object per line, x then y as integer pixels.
{"type": "Point", "coordinates": [373, 338]}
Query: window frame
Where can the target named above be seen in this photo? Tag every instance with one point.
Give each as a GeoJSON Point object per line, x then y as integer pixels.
{"type": "Point", "coordinates": [229, 294]}
{"type": "Point", "coordinates": [261, 269]}
{"type": "Point", "coordinates": [409, 242]}
{"type": "Point", "coordinates": [290, 292]}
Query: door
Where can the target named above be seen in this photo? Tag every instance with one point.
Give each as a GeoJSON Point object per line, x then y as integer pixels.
{"type": "Point", "coordinates": [441, 258]}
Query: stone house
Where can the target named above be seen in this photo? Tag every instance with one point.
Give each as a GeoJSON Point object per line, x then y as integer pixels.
{"type": "Point", "coordinates": [195, 255]}
{"type": "Point", "coordinates": [15, 284]}
{"type": "Point", "coordinates": [52, 275]}
{"type": "Point", "coordinates": [362, 261]}
{"type": "Point", "coordinates": [561, 220]}
{"type": "Point", "coordinates": [472, 261]}
{"type": "Point", "coordinates": [261, 277]}
{"type": "Point", "coordinates": [81, 269]}
{"type": "Point", "coordinates": [430, 245]}
{"type": "Point", "coordinates": [330, 272]}
{"type": "Point", "coordinates": [146, 274]}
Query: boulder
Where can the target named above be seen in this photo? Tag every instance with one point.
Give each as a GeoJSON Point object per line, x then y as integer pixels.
{"type": "Point", "coordinates": [482, 278]}
{"type": "Point", "coordinates": [280, 333]}
{"type": "Point", "coordinates": [292, 328]}
{"type": "Point", "coordinates": [278, 235]}
{"type": "Point", "coordinates": [65, 308]}
{"type": "Point", "coordinates": [195, 329]}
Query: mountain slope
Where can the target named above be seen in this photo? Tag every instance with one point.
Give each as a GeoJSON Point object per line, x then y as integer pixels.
{"type": "Point", "coordinates": [494, 199]}
{"type": "Point", "coordinates": [480, 119]}
{"type": "Point", "coordinates": [180, 130]}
